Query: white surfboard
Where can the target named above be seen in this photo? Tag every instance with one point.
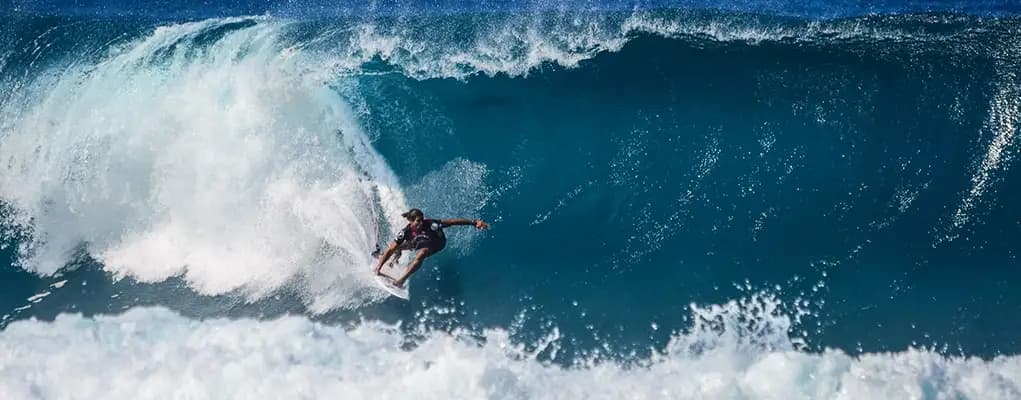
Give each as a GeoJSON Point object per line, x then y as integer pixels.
{"type": "Point", "coordinates": [385, 281]}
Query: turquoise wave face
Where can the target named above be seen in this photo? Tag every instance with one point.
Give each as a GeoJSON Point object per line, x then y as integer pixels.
{"type": "Point", "coordinates": [859, 171]}
{"type": "Point", "coordinates": [631, 164]}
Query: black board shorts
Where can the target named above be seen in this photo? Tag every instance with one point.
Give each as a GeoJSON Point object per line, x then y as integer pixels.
{"type": "Point", "coordinates": [434, 245]}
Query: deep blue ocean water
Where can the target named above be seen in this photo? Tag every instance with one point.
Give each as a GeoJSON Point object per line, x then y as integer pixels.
{"type": "Point", "coordinates": [812, 178]}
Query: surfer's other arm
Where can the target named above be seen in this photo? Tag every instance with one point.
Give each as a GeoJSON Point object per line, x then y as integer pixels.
{"type": "Point", "coordinates": [478, 223]}
{"type": "Point", "coordinates": [386, 255]}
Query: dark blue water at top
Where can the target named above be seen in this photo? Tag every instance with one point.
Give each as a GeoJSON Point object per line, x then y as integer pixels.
{"type": "Point", "coordinates": [171, 10]}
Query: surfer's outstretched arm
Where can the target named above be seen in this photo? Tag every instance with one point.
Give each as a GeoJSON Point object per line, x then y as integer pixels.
{"type": "Point", "coordinates": [385, 256]}
{"type": "Point", "coordinates": [479, 224]}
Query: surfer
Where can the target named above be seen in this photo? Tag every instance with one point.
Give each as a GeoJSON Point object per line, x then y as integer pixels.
{"type": "Point", "coordinates": [425, 235]}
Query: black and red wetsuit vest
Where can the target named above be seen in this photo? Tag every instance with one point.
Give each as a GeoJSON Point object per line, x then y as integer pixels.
{"type": "Point", "coordinates": [429, 234]}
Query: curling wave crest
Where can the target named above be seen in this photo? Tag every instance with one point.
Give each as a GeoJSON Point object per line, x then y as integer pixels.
{"type": "Point", "coordinates": [201, 151]}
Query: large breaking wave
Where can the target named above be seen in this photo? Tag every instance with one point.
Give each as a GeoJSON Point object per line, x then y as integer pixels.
{"type": "Point", "coordinates": [234, 154]}
{"type": "Point", "coordinates": [230, 152]}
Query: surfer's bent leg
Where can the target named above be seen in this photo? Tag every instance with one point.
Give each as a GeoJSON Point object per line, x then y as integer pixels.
{"type": "Point", "coordinates": [423, 253]}
{"type": "Point", "coordinates": [415, 264]}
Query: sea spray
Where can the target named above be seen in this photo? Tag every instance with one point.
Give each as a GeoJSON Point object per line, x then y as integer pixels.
{"type": "Point", "coordinates": [744, 354]}
{"type": "Point", "coordinates": [200, 151]}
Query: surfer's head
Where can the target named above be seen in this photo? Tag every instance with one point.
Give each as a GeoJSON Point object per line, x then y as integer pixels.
{"type": "Point", "coordinates": [414, 216]}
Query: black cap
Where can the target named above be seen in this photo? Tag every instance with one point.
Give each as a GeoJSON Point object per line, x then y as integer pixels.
{"type": "Point", "coordinates": [413, 213]}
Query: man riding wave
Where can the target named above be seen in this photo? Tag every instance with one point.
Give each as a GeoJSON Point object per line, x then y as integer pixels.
{"type": "Point", "coordinates": [424, 235]}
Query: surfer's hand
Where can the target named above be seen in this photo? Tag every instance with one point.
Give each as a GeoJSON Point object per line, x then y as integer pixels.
{"type": "Point", "coordinates": [480, 224]}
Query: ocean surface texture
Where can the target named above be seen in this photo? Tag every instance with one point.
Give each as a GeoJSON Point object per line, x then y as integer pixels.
{"type": "Point", "coordinates": [689, 199]}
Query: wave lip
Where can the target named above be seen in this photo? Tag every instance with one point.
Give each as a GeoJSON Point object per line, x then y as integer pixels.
{"type": "Point", "coordinates": [461, 46]}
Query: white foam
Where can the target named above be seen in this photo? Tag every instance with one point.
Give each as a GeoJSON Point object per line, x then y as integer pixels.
{"type": "Point", "coordinates": [219, 162]}
{"type": "Point", "coordinates": [154, 353]}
